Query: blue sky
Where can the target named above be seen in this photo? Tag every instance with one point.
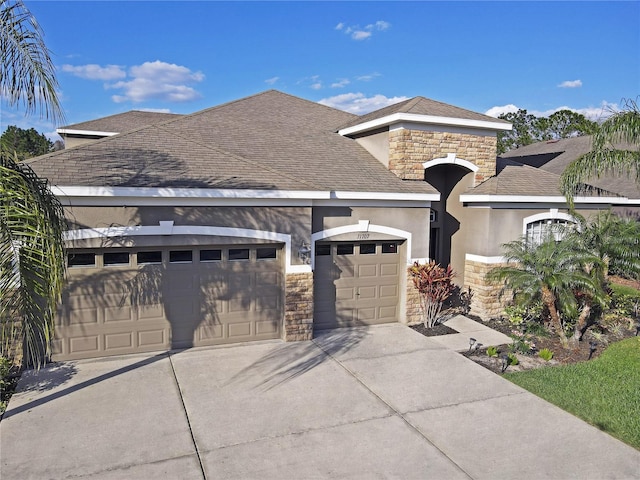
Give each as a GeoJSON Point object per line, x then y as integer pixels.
{"type": "Point", "coordinates": [489, 57]}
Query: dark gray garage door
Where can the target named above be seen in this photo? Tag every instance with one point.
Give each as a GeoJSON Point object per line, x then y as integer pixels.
{"type": "Point", "coordinates": [121, 301]}
{"type": "Point", "coordinates": [356, 283]}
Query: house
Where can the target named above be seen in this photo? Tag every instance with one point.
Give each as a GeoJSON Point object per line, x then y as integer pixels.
{"type": "Point", "coordinates": [271, 216]}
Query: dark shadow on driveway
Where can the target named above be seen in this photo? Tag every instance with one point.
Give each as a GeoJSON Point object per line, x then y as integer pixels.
{"type": "Point", "coordinates": [292, 360]}
{"type": "Point", "coordinates": [49, 378]}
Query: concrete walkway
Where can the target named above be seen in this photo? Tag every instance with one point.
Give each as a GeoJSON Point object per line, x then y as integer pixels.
{"type": "Point", "coordinates": [376, 402]}
{"type": "Point", "coordinates": [467, 329]}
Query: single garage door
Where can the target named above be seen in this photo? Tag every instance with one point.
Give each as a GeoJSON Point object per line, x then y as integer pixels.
{"type": "Point", "coordinates": [120, 301]}
{"type": "Point", "coordinates": [356, 283]}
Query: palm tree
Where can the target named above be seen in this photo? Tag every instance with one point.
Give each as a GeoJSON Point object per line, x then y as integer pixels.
{"type": "Point", "coordinates": [615, 149]}
{"type": "Point", "coordinates": [611, 243]}
{"type": "Point", "coordinates": [549, 272]}
{"type": "Point", "coordinates": [31, 218]}
{"type": "Point", "coordinates": [27, 74]}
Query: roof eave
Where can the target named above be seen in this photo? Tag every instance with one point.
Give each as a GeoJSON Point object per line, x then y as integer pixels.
{"type": "Point", "coordinates": [424, 119]}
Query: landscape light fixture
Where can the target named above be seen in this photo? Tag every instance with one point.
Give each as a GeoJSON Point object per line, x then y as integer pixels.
{"type": "Point", "coordinates": [505, 362]}
{"type": "Point", "coordinates": [477, 347]}
{"type": "Point", "coordinates": [471, 342]}
{"type": "Point", "coordinates": [592, 348]}
{"type": "Point", "coordinates": [638, 328]}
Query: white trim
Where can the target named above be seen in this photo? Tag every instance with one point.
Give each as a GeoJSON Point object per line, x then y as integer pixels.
{"type": "Point", "coordinates": [482, 259]}
{"type": "Point", "coordinates": [552, 214]}
{"type": "Point", "coordinates": [70, 131]}
{"type": "Point", "coordinates": [168, 228]}
{"type": "Point", "coordinates": [451, 159]}
{"type": "Point", "coordinates": [147, 196]}
{"type": "Point", "coordinates": [432, 119]}
{"type": "Point", "coordinates": [361, 226]}
{"type": "Point", "coordinates": [425, 197]}
{"type": "Point", "coordinates": [470, 198]}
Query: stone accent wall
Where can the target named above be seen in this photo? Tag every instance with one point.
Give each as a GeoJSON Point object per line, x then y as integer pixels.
{"type": "Point", "coordinates": [298, 307]}
{"type": "Point", "coordinates": [413, 307]}
{"type": "Point", "coordinates": [486, 302]}
{"type": "Point", "coordinates": [409, 149]}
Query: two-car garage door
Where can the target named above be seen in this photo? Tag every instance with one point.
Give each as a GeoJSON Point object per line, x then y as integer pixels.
{"type": "Point", "coordinates": [121, 301]}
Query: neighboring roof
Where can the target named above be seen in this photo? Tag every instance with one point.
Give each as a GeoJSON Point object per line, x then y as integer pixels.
{"type": "Point", "coordinates": [426, 107]}
{"type": "Point", "coordinates": [121, 122]}
{"type": "Point", "coordinates": [271, 141]}
{"type": "Point", "coordinates": [518, 179]}
{"type": "Point", "coordinates": [554, 156]}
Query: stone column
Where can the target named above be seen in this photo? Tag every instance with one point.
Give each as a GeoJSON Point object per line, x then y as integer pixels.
{"type": "Point", "coordinates": [298, 307]}
{"type": "Point", "coordinates": [486, 302]}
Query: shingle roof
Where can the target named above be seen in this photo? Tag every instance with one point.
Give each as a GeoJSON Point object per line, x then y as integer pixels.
{"type": "Point", "coordinates": [122, 122]}
{"type": "Point", "coordinates": [423, 106]}
{"type": "Point", "coordinates": [267, 141]}
{"type": "Point", "coordinates": [520, 180]}
{"type": "Point", "coordinates": [554, 157]}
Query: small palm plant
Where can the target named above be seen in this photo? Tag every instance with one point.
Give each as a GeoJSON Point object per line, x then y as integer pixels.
{"type": "Point", "coordinates": [548, 271]}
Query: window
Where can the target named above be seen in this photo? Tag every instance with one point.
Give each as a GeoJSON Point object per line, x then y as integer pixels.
{"type": "Point", "coordinates": [238, 254]}
{"type": "Point", "coordinates": [323, 249]}
{"type": "Point", "coordinates": [180, 256]}
{"type": "Point", "coordinates": [539, 230]}
{"type": "Point", "coordinates": [210, 255]}
{"type": "Point", "coordinates": [266, 253]}
{"type": "Point", "coordinates": [391, 247]}
{"type": "Point", "coordinates": [345, 249]}
{"type": "Point", "coordinates": [149, 257]}
{"type": "Point", "coordinates": [81, 260]}
{"type": "Point", "coordinates": [115, 258]}
{"type": "Point", "coordinates": [367, 249]}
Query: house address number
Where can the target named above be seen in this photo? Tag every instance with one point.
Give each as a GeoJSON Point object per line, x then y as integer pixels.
{"type": "Point", "coordinates": [363, 236]}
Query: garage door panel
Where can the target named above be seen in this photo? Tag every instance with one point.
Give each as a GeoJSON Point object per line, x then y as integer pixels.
{"type": "Point", "coordinates": [389, 270]}
{"type": "Point", "coordinates": [118, 314]}
{"type": "Point", "coordinates": [118, 341]}
{"type": "Point", "coordinates": [389, 291]}
{"type": "Point", "coordinates": [240, 330]}
{"type": "Point", "coordinates": [151, 312]}
{"type": "Point", "coordinates": [84, 344]}
{"type": "Point", "coordinates": [81, 316]}
{"type": "Point", "coordinates": [367, 271]}
{"type": "Point", "coordinates": [153, 338]}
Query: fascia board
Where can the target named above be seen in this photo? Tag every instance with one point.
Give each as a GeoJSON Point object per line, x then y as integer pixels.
{"type": "Point", "coordinates": [147, 196]}
{"type": "Point", "coordinates": [426, 197]}
{"type": "Point", "coordinates": [430, 119]}
{"type": "Point", "coordinates": [541, 199]}
{"type": "Point", "coordinates": [70, 131]}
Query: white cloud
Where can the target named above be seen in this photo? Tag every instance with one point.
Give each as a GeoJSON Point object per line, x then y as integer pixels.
{"type": "Point", "coordinates": [156, 110]}
{"type": "Point", "coordinates": [95, 72]}
{"type": "Point", "coordinates": [358, 103]}
{"type": "Point", "coordinates": [360, 35]}
{"type": "Point", "coordinates": [158, 81]}
{"type": "Point", "coordinates": [272, 80]}
{"type": "Point", "coordinates": [316, 86]}
{"type": "Point", "coordinates": [357, 33]}
{"type": "Point", "coordinates": [341, 83]}
{"type": "Point", "coordinates": [367, 78]}
{"type": "Point", "coordinates": [499, 110]}
{"type": "Point", "coordinates": [592, 113]}
{"type": "Point", "coordinates": [571, 84]}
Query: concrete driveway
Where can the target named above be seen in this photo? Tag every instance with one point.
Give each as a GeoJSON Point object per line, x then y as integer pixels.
{"type": "Point", "coordinates": [377, 402]}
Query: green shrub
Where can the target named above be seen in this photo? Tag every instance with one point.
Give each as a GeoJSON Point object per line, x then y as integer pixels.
{"type": "Point", "coordinates": [492, 351]}
{"type": "Point", "coordinates": [513, 360]}
{"type": "Point", "coordinates": [545, 354]}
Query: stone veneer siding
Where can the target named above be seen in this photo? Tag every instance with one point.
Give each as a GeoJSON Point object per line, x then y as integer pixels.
{"type": "Point", "coordinates": [409, 149]}
{"type": "Point", "coordinates": [298, 307]}
{"type": "Point", "coordinates": [486, 302]}
{"type": "Point", "coordinates": [413, 305]}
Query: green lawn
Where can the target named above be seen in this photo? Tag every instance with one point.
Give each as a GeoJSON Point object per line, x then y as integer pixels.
{"type": "Point", "coordinates": [604, 392]}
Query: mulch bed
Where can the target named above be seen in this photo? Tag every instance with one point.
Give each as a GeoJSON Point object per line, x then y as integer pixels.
{"type": "Point", "coordinates": [575, 353]}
